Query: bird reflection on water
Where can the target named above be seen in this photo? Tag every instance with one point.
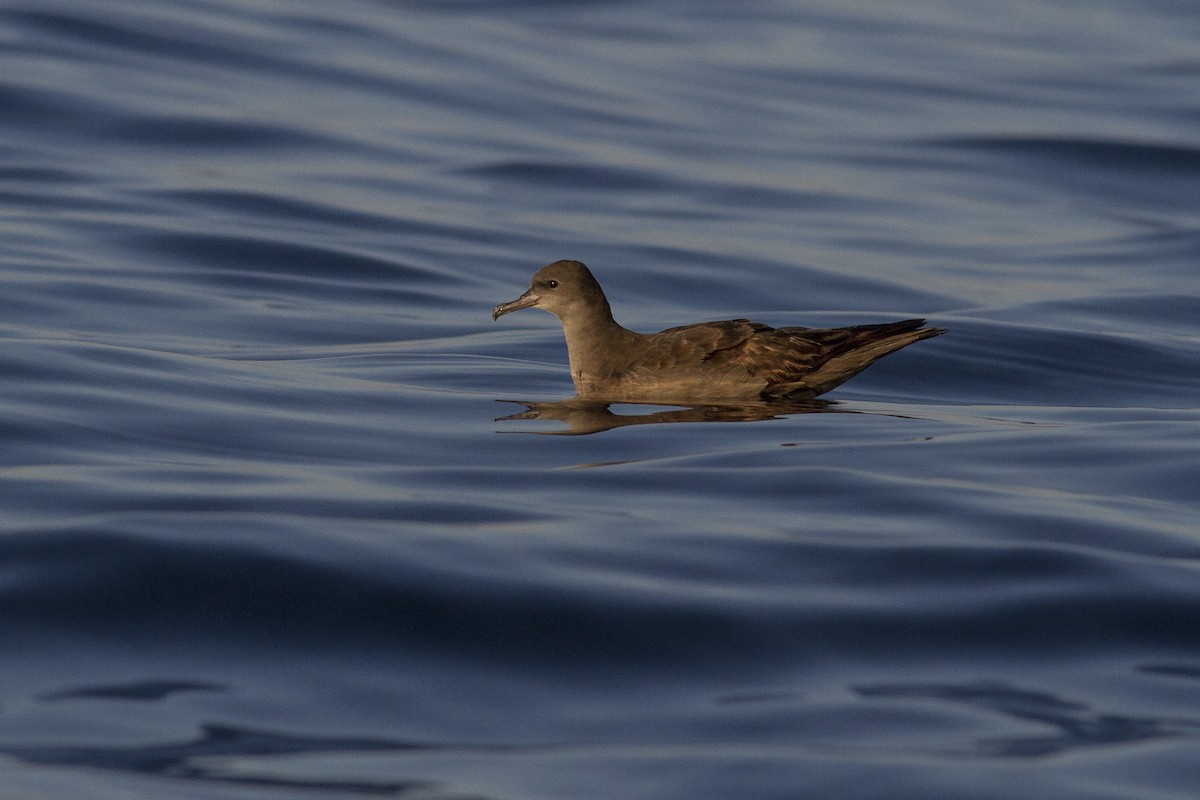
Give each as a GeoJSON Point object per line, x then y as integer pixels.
{"type": "Point", "coordinates": [583, 416]}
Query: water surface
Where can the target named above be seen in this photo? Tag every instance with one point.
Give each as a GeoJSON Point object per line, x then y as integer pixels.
{"type": "Point", "coordinates": [280, 512]}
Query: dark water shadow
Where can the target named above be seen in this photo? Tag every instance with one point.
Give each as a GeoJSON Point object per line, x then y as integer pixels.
{"type": "Point", "coordinates": [584, 417]}
{"type": "Point", "coordinates": [148, 691]}
{"type": "Point", "coordinates": [1074, 724]}
{"type": "Point", "coordinates": [1191, 671]}
{"type": "Point", "coordinates": [204, 759]}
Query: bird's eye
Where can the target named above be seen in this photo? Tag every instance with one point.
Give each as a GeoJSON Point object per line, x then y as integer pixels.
{"type": "Point", "coordinates": [553, 284]}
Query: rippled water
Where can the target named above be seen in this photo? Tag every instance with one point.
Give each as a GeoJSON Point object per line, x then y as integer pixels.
{"type": "Point", "coordinates": [268, 532]}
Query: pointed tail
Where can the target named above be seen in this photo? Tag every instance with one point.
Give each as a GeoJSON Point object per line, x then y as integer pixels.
{"type": "Point", "coordinates": [863, 345]}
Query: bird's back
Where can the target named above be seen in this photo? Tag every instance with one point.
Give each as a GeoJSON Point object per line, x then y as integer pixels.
{"type": "Point", "coordinates": [740, 359]}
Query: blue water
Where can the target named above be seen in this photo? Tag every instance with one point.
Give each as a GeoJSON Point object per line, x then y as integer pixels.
{"type": "Point", "coordinates": [285, 513]}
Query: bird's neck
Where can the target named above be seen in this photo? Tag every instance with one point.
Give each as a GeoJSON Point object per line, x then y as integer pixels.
{"type": "Point", "coordinates": [594, 344]}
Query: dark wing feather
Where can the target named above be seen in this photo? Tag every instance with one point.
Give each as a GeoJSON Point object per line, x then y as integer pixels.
{"type": "Point", "coordinates": [808, 361]}
{"type": "Point", "coordinates": [842, 353]}
{"type": "Point", "coordinates": [798, 362]}
{"type": "Point", "coordinates": [704, 341]}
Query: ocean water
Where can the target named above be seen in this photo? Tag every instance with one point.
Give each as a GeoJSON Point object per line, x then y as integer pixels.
{"type": "Point", "coordinates": [285, 514]}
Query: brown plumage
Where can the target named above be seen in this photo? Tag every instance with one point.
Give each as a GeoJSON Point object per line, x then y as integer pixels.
{"type": "Point", "coordinates": [729, 360]}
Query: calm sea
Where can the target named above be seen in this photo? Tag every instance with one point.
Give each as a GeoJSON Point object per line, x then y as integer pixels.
{"type": "Point", "coordinates": [285, 514]}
